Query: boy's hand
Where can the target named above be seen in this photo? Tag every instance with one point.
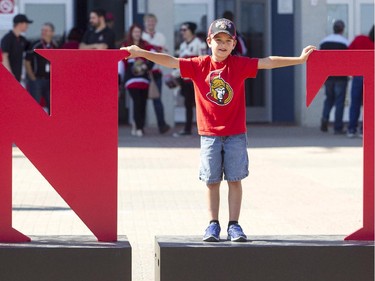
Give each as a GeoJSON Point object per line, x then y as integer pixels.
{"type": "Point", "coordinates": [133, 50]}
{"type": "Point", "coordinates": [158, 58]}
{"type": "Point", "coordinates": [306, 53]}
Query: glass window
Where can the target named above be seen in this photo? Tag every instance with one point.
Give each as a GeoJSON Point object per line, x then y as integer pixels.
{"type": "Point", "coordinates": [253, 16]}
{"type": "Point", "coordinates": [41, 13]}
{"type": "Point", "coordinates": [196, 13]}
{"type": "Point", "coordinates": [224, 5]}
{"type": "Point", "coordinates": [366, 17]}
{"type": "Point", "coordinates": [191, 12]}
{"type": "Point", "coordinates": [337, 12]}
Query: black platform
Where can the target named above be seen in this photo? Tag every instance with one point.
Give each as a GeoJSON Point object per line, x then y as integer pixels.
{"type": "Point", "coordinates": [264, 258]}
{"type": "Point", "coordinates": [63, 258]}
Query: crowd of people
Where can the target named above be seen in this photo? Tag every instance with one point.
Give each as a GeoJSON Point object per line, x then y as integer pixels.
{"type": "Point", "coordinates": [16, 53]}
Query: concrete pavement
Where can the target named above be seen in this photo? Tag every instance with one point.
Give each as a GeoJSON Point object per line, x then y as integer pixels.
{"type": "Point", "coordinates": [301, 182]}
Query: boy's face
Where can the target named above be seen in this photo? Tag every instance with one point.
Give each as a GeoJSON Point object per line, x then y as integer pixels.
{"type": "Point", "coordinates": [221, 45]}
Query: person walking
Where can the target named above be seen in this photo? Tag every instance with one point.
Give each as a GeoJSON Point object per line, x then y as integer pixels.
{"type": "Point", "coordinates": [137, 79]}
{"type": "Point", "coordinates": [361, 42]}
{"type": "Point", "coordinates": [99, 35]}
{"type": "Point", "coordinates": [335, 86]}
{"type": "Point", "coordinates": [38, 68]}
{"type": "Point", "coordinates": [14, 44]}
{"type": "Point", "coordinates": [158, 41]}
{"type": "Point", "coordinates": [221, 116]}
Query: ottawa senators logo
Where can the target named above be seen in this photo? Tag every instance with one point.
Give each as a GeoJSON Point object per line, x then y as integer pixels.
{"type": "Point", "coordinates": [221, 92]}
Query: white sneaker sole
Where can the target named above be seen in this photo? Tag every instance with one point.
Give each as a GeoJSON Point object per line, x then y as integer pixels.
{"type": "Point", "coordinates": [211, 239]}
{"type": "Point", "coordinates": [238, 239]}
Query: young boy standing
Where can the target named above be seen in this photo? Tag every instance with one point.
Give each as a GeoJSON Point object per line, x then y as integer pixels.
{"type": "Point", "coordinates": [221, 115]}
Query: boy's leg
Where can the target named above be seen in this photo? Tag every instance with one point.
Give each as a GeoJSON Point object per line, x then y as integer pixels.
{"type": "Point", "coordinates": [236, 168]}
{"type": "Point", "coordinates": [213, 198]}
{"type": "Point", "coordinates": [234, 200]}
{"type": "Point", "coordinates": [212, 233]}
{"type": "Point", "coordinates": [235, 232]}
{"type": "Point", "coordinates": [211, 172]}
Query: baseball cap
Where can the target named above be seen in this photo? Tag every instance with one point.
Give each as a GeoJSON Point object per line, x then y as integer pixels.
{"type": "Point", "coordinates": [21, 18]}
{"type": "Point", "coordinates": [222, 25]}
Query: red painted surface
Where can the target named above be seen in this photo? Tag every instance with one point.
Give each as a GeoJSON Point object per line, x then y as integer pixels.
{"type": "Point", "coordinates": [322, 64]}
{"type": "Point", "coordinates": [75, 148]}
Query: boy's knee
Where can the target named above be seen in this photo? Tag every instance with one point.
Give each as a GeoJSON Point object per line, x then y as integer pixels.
{"type": "Point", "coordinates": [213, 185]}
{"type": "Point", "coordinates": [234, 184]}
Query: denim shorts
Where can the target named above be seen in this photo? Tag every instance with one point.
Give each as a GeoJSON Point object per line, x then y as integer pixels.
{"type": "Point", "coordinates": [223, 156]}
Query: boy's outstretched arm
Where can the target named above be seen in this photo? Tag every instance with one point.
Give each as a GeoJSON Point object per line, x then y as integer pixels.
{"type": "Point", "coordinates": [275, 62]}
{"type": "Point", "coordinates": [158, 58]}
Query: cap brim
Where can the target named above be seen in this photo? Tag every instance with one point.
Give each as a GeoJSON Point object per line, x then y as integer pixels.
{"type": "Point", "coordinates": [223, 31]}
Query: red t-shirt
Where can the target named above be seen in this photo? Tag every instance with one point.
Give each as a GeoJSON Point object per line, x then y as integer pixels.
{"type": "Point", "coordinates": [220, 92]}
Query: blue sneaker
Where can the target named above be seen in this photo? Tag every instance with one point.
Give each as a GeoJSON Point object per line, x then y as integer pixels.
{"type": "Point", "coordinates": [235, 233]}
{"type": "Point", "coordinates": [212, 233]}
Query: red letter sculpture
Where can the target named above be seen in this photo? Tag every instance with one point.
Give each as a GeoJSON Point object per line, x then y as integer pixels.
{"type": "Point", "coordinates": [322, 64]}
{"type": "Point", "coordinates": [75, 148]}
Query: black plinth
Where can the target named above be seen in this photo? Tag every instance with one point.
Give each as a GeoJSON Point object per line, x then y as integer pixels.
{"type": "Point", "coordinates": [62, 258]}
{"type": "Point", "coordinates": [264, 258]}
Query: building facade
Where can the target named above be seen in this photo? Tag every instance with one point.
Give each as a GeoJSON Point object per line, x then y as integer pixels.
{"type": "Point", "coordinates": [277, 27]}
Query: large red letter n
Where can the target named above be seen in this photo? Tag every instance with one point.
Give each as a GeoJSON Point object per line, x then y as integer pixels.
{"type": "Point", "coordinates": [79, 152]}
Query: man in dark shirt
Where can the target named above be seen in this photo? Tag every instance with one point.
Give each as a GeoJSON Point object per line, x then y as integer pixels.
{"type": "Point", "coordinates": [13, 45]}
{"type": "Point", "coordinates": [335, 86]}
{"type": "Point", "coordinates": [38, 68]}
{"type": "Point", "coordinates": [99, 36]}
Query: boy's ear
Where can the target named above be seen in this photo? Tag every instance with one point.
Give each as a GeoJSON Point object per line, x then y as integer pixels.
{"type": "Point", "coordinates": [234, 44]}
{"type": "Point", "coordinates": [208, 41]}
